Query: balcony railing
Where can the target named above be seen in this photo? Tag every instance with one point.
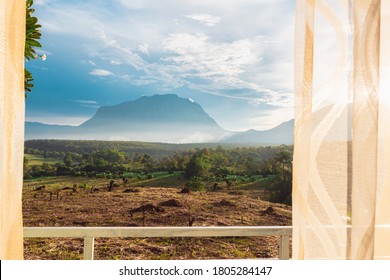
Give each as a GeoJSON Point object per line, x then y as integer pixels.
{"type": "Point", "coordinates": [90, 233]}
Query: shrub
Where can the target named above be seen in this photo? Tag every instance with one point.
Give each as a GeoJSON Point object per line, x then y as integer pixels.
{"type": "Point", "coordinates": [84, 186]}
{"type": "Point", "coordinates": [196, 184]}
{"type": "Point", "coordinates": [27, 176]}
{"type": "Point", "coordinates": [281, 192]}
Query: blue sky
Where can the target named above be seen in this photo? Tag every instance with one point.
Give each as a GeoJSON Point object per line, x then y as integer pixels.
{"type": "Point", "coordinates": [234, 58]}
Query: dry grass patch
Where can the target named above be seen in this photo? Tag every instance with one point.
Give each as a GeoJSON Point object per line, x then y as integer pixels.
{"type": "Point", "coordinates": [157, 206]}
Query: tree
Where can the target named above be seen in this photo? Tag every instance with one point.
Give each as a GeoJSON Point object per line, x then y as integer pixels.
{"type": "Point", "coordinates": [68, 161]}
{"type": "Point", "coordinates": [48, 169]}
{"type": "Point", "coordinates": [33, 35]}
{"type": "Point", "coordinates": [198, 166]}
{"type": "Point", "coordinates": [284, 158]}
{"type": "Point", "coordinates": [219, 159]}
{"type": "Point", "coordinates": [281, 192]}
{"type": "Point", "coordinates": [26, 167]}
{"type": "Point", "coordinates": [250, 166]}
{"type": "Point", "coordinates": [147, 161]}
{"type": "Point", "coordinates": [106, 157]}
{"type": "Point", "coordinates": [168, 164]}
{"type": "Point", "coordinates": [86, 159]}
{"type": "Point", "coordinates": [195, 184]}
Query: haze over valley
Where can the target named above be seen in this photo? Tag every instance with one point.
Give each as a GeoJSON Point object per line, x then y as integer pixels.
{"type": "Point", "coordinates": [158, 118]}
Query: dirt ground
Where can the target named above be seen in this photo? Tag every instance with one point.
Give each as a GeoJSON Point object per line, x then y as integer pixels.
{"type": "Point", "coordinates": [59, 204]}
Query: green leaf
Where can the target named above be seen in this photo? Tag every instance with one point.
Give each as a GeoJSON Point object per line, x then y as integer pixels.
{"type": "Point", "coordinates": [33, 34]}
{"type": "Point", "coordinates": [34, 43]}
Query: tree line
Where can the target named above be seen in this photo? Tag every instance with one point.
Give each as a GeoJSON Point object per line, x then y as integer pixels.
{"type": "Point", "coordinates": [218, 161]}
{"type": "Point", "coordinates": [196, 164]}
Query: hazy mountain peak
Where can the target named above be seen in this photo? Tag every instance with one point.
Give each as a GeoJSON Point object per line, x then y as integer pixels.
{"type": "Point", "coordinates": [167, 110]}
{"type": "Point", "coordinates": [158, 118]}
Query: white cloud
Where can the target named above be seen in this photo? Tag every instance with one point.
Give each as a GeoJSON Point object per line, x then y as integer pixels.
{"type": "Point", "coordinates": [217, 66]}
{"type": "Point", "coordinates": [90, 106]}
{"type": "Point", "coordinates": [224, 64]}
{"type": "Point", "coordinates": [113, 51]}
{"type": "Point", "coordinates": [115, 62]}
{"type": "Point", "coordinates": [86, 101]}
{"type": "Point", "coordinates": [41, 2]}
{"type": "Point", "coordinates": [271, 118]}
{"type": "Point", "coordinates": [133, 4]}
{"type": "Point", "coordinates": [101, 73]}
{"type": "Point", "coordinates": [142, 82]}
{"type": "Point", "coordinates": [209, 58]}
{"type": "Point", "coordinates": [205, 19]}
{"type": "Point", "coordinates": [144, 48]}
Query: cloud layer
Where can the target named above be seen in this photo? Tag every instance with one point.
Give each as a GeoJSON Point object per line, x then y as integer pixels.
{"type": "Point", "coordinates": [232, 50]}
{"type": "Point", "coordinates": [100, 72]}
{"type": "Point", "coordinates": [207, 20]}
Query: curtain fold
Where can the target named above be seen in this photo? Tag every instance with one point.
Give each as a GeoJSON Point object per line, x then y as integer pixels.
{"type": "Point", "coordinates": [341, 182]}
{"type": "Point", "coordinates": [12, 102]}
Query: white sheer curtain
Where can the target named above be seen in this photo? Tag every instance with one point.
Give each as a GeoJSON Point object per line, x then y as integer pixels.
{"type": "Point", "coordinates": [341, 185]}
{"type": "Point", "coordinates": [12, 34]}
{"type": "Point", "coordinates": [342, 134]}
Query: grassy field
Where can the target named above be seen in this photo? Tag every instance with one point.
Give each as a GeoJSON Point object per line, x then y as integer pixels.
{"type": "Point", "coordinates": [150, 202]}
{"type": "Point", "coordinates": [38, 160]}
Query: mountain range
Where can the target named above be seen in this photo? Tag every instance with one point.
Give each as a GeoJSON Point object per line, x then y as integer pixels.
{"type": "Point", "coordinates": [158, 118]}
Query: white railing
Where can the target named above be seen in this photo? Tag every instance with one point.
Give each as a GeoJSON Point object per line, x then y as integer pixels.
{"type": "Point", "coordinates": [90, 233]}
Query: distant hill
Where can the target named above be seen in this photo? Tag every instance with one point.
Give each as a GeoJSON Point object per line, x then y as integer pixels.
{"type": "Point", "coordinates": [158, 118]}
{"type": "Point", "coordinates": [35, 130]}
{"type": "Point", "coordinates": [282, 134]}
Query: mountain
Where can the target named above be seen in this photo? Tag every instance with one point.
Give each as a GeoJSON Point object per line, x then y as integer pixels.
{"type": "Point", "coordinates": [282, 134]}
{"type": "Point", "coordinates": [335, 121]}
{"type": "Point", "coordinates": [158, 118]}
{"type": "Point", "coordinates": [35, 130]}
{"type": "Point", "coordinates": [154, 111]}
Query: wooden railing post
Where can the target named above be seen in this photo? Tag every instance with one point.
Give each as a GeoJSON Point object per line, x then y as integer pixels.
{"type": "Point", "coordinates": [284, 247]}
{"type": "Point", "coordinates": [89, 243]}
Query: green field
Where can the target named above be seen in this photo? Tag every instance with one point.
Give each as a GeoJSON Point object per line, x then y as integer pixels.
{"type": "Point", "coordinates": [39, 159]}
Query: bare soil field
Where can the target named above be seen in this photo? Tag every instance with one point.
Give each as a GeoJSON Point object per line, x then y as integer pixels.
{"type": "Point", "coordinates": [155, 202]}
